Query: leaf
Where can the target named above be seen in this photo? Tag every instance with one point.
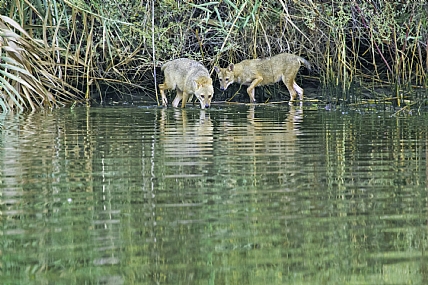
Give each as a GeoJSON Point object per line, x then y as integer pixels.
{"type": "Point", "coordinates": [230, 3]}
{"type": "Point", "coordinates": [9, 88]}
{"type": "Point", "coordinates": [29, 98]}
{"type": "Point", "coordinates": [3, 105]}
{"type": "Point", "coordinates": [9, 60]}
{"type": "Point", "coordinates": [9, 34]}
{"type": "Point", "coordinates": [14, 24]}
{"type": "Point", "coordinates": [17, 79]}
{"type": "Point", "coordinates": [14, 67]}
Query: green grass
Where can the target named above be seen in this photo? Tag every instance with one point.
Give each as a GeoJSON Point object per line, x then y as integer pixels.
{"type": "Point", "coordinates": [57, 52]}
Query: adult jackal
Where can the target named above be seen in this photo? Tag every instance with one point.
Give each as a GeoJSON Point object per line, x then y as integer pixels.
{"type": "Point", "coordinates": [188, 77]}
{"type": "Point", "coordinates": [256, 72]}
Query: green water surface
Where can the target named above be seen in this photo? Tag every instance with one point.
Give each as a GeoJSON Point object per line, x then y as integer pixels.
{"type": "Point", "coordinates": [237, 194]}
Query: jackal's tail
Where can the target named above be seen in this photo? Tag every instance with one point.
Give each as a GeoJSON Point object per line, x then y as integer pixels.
{"type": "Point", "coordinates": [305, 62]}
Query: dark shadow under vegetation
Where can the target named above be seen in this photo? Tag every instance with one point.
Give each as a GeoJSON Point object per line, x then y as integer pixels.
{"type": "Point", "coordinates": [61, 52]}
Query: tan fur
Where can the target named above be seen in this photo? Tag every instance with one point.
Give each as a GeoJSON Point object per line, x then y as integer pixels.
{"type": "Point", "coordinates": [257, 72]}
{"type": "Point", "coordinates": [188, 77]}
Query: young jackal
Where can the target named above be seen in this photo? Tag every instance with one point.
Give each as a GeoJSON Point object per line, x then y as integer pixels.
{"type": "Point", "coordinates": [256, 72]}
{"type": "Point", "coordinates": [188, 78]}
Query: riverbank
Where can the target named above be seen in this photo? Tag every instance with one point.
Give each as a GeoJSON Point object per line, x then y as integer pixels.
{"type": "Point", "coordinates": [72, 49]}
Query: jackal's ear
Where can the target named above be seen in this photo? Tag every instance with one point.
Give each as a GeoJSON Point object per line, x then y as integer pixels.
{"type": "Point", "coordinates": [231, 66]}
{"type": "Point", "coordinates": [217, 69]}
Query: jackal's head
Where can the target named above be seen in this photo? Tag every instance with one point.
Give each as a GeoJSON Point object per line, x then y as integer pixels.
{"type": "Point", "coordinates": [226, 76]}
{"type": "Point", "coordinates": [204, 91]}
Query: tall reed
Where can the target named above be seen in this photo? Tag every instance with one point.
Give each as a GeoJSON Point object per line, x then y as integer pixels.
{"type": "Point", "coordinates": [30, 77]}
{"type": "Point", "coordinates": [99, 46]}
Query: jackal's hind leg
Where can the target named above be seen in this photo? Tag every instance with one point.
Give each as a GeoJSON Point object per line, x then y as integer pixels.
{"type": "Point", "coordinates": [299, 90]}
{"type": "Point", "coordinates": [190, 99]}
{"type": "Point", "coordinates": [177, 98]}
{"type": "Point", "coordinates": [290, 86]}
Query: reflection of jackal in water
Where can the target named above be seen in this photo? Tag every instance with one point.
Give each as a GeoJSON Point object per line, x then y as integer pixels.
{"type": "Point", "coordinates": [188, 78]}
{"type": "Point", "coordinates": [186, 134]}
{"type": "Point", "coordinates": [256, 72]}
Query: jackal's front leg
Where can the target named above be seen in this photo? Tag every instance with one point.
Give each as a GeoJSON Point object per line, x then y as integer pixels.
{"type": "Point", "coordinates": [252, 87]}
{"type": "Point", "coordinates": [184, 98]}
{"type": "Point", "coordinates": [162, 92]}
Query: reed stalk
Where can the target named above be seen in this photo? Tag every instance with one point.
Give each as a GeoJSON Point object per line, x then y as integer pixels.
{"type": "Point", "coordinates": [76, 50]}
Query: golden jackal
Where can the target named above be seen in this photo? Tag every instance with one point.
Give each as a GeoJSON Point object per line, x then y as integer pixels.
{"type": "Point", "coordinates": [189, 78]}
{"type": "Point", "coordinates": [256, 72]}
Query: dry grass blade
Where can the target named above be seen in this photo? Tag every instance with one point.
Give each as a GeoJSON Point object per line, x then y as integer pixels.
{"type": "Point", "coordinates": [72, 45]}
{"type": "Point", "coordinates": [28, 68]}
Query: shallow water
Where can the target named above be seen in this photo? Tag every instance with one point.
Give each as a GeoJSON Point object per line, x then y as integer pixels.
{"type": "Point", "coordinates": [237, 194]}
